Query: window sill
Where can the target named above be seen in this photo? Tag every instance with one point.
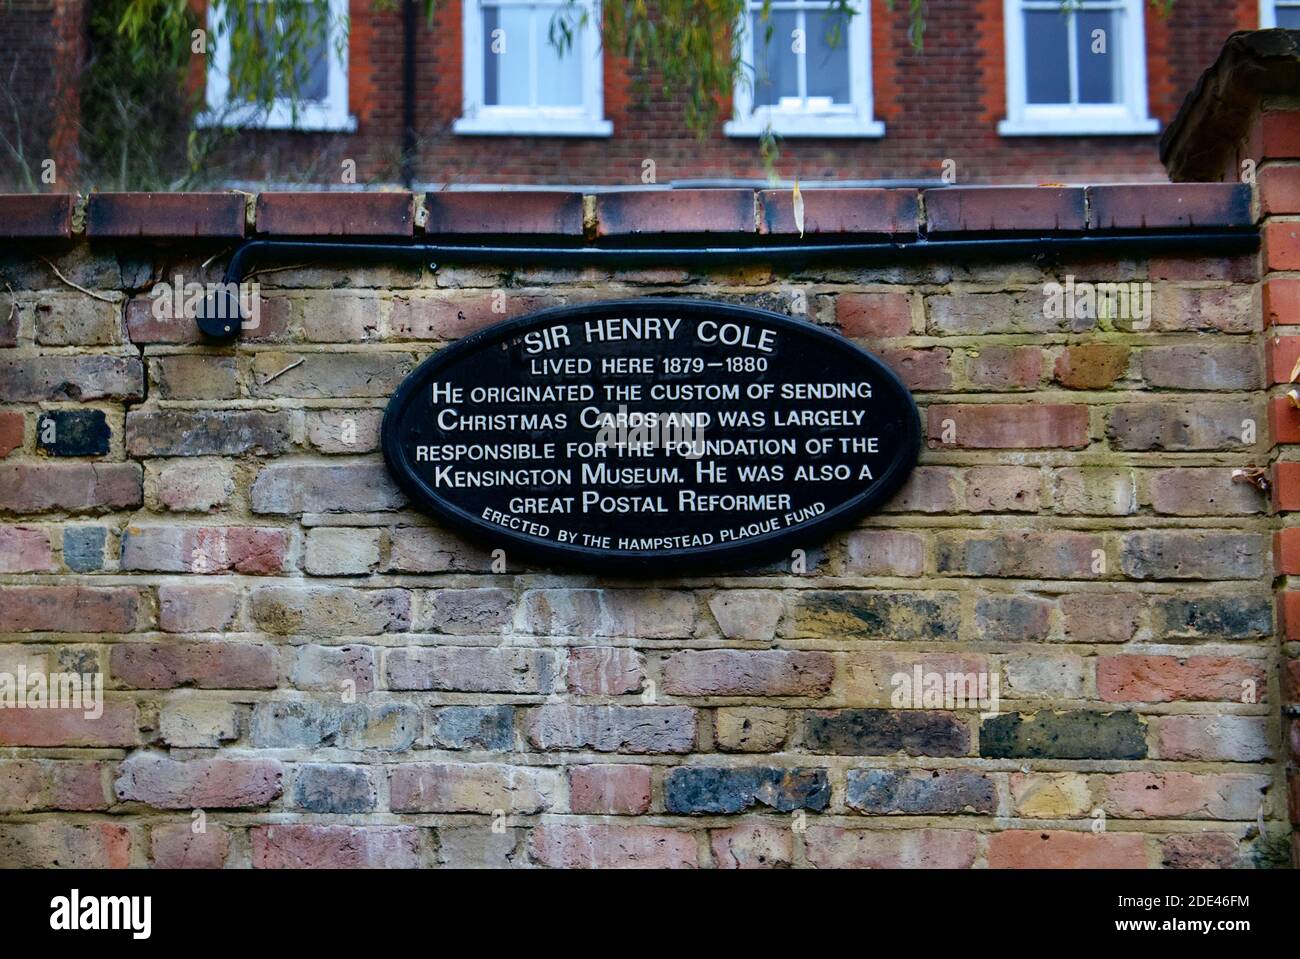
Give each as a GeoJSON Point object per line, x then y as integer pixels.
{"type": "Point", "coordinates": [1078, 126]}
{"type": "Point", "coordinates": [305, 122]}
{"type": "Point", "coordinates": [532, 127]}
{"type": "Point", "coordinates": [809, 125]}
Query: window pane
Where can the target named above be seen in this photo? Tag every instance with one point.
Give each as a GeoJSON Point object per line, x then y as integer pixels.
{"type": "Point", "coordinates": [1098, 44]}
{"type": "Point", "coordinates": [315, 82]}
{"type": "Point", "coordinates": [828, 55]}
{"type": "Point", "coordinates": [1047, 62]}
{"type": "Point", "coordinates": [313, 72]}
{"type": "Point", "coordinates": [1288, 17]}
{"type": "Point", "coordinates": [505, 56]}
{"type": "Point", "coordinates": [559, 77]}
{"type": "Point", "coordinates": [776, 68]}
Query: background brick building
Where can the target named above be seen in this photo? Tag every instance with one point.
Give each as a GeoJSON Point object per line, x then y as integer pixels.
{"type": "Point", "coordinates": [955, 100]}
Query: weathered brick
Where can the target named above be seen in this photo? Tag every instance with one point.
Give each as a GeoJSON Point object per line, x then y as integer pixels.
{"type": "Point", "coordinates": [83, 548]}
{"type": "Point", "coordinates": [290, 488]}
{"type": "Point", "coordinates": [889, 678]}
{"type": "Point", "coordinates": [333, 668]}
{"type": "Point", "coordinates": [1101, 617]}
{"type": "Point", "coordinates": [473, 669]}
{"type": "Point", "coordinates": [920, 370]}
{"type": "Point", "coordinates": [1079, 734]}
{"type": "Point", "coordinates": [1029, 554]}
{"type": "Point", "coordinates": [1051, 795]}
{"type": "Point", "coordinates": [343, 431]}
{"type": "Point", "coordinates": [1003, 489]}
{"type": "Point", "coordinates": [747, 614]}
{"type": "Point", "coordinates": [208, 665]}
{"type": "Point", "coordinates": [341, 551]}
{"type": "Point", "coordinates": [309, 724]}
{"type": "Point", "coordinates": [465, 612]}
{"type": "Point", "coordinates": [205, 549]}
{"type": "Point", "coordinates": [421, 549]}
{"type": "Point", "coordinates": [830, 847]}
{"type": "Point", "coordinates": [177, 432]}
{"type": "Point", "coordinates": [30, 785]}
{"type": "Point", "coordinates": [982, 313]}
{"type": "Point", "coordinates": [605, 671]}
{"type": "Point", "coordinates": [875, 314]}
{"type": "Point", "coordinates": [928, 489]}
{"type": "Point", "coordinates": [1199, 851]}
{"type": "Point", "coordinates": [697, 790]}
{"type": "Point", "coordinates": [330, 610]}
{"type": "Point", "coordinates": [629, 729]}
{"type": "Point", "coordinates": [1005, 209]}
{"type": "Point", "coordinates": [1095, 491]}
{"type": "Point", "coordinates": [335, 214]}
{"type": "Point", "coordinates": [198, 723]}
{"type": "Point", "coordinates": [331, 788]}
{"type": "Point", "coordinates": [52, 845]}
{"type": "Point", "coordinates": [117, 726]}
{"type": "Point", "coordinates": [70, 487]}
{"type": "Point", "coordinates": [481, 212]}
{"type": "Point", "coordinates": [1182, 427]}
{"type": "Point", "coordinates": [1034, 849]}
{"type": "Point", "coordinates": [328, 375]}
{"type": "Point", "coordinates": [473, 847]}
{"type": "Point", "coordinates": [1221, 366]}
{"type": "Point", "coordinates": [1176, 795]}
{"type": "Point", "coordinates": [1091, 366]}
{"type": "Point", "coordinates": [883, 552]}
{"type": "Point", "coordinates": [1005, 367]}
{"type": "Point", "coordinates": [194, 377]}
{"type": "Point", "coordinates": [11, 432]}
{"type": "Point", "coordinates": [598, 846]}
{"type": "Point", "coordinates": [1004, 426]}
{"type": "Point", "coordinates": [752, 845]}
{"type": "Point", "coordinates": [73, 433]}
{"type": "Point", "coordinates": [450, 316]}
{"type": "Point", "coordinates": [1013, 618]}
{"type": "Point", "coordinates": [1188, 491]}
{"type": "Point", "coordinates": [1239, 739]}
{"type": "Point", "coordinates": [1050, 675]}
{"type": "Point", "coordinates": [609, 790]}
{"type": "Point", "coordinates": [1230, 309]}
{"type": "Point", "coordinates": [198, 608]}
{"type": "Point", "coordinates": [36, 379]}
{"type": "Point", "coordinates": [472, 788]}
{"type": "Point", "coordinates": [881, 732]}
{"type": "Point", "coordinates": [178, 846]}
{"type": "Point", "coordinates": [71, 319]}
{"type": "Point", "coordinates": [750, 729]}
{"type": "Point", "coordinates": [920, 792]}
{"type": "Point", "coordinates": [1194, 554]}
{"type": "Point", "coordinates": [873, 615]}
{"type": "Point", "coordinates": [857, 212]}
{"type": "Point", "coordinates": [675, 211]}
{"type": "Point", "coordinates": [25, 549]}
{"type": "Point", "coordinates": [734, 672]}
{"type": "Point", "coordinates": [191, 486]}
{"type": "Point", "coordinates": [1164, 679]}
{"type": "Point", "coordinates": [643, 613]}
{"type": "Point", "coordinates": [71, 609]}
{"type": "Point", "coordinates": [198, 783]}
{"type": "Point", "coordinates": [307, 846]}
{"type": "Point", "coordinates": [472, 727]}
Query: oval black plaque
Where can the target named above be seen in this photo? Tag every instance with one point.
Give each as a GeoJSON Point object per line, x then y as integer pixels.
{"type": "Point", "coordinates": [651, 435]}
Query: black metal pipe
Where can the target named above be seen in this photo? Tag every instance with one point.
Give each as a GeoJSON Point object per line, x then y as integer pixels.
{"type": "Point", "coordinates": [1222, 242]}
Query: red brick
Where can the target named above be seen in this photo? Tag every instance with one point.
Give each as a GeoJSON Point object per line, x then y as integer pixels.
{"type": "Point", "coordinates": [604, 671]}
{"type": "Point", "coordinates": [1005, 367]}
{"type": "Point", "coordinates": [1279, 190]}
{"type": "Point", "coordinates": [868, 315]}
{"type": "Point", "coordinates": [71, 487]}
{"type": "Point", "coordinates": [1279, 135]}
{"type": "Point", "coordinates": [70, 609]}
{"type": "Point", "coordinates": [1282, 353]}
{"type": "Point", "coordinates": [1005, 209]}
{"type": "Point", "coordinates": [1240, 269]}
{"type": "Point", "coordinates": [1035, 849]}
{"type": "Point", "coordinates": [869, 212]}
{"type": "Point", "coordinates": [335, 214]}
{"type": "Point", "coordinates": [1091, 366]}
{"type": "Point", "coordinates": [1179, 795]}
{"type": "Point", "coordinates": [1006, 426]}
{"type": "Point", "coordinates": [49, 845]}
{"type": "Point", "coordinates": [28, 785]}
{"type": "Point", "coordinates": [11, 432]}
{"type": "Point", "coordinates": [609, 790]}
{"type": "Point", "coordinates": [178, 846]}
{"type": "Point", "coordinates": [830, 847]}
{"type": "Point", "coordinates": [1101, 617]}
{"type": "Point", "coordinates": [210, 665]}
{"type": "Point", "coordinates": [302, 846]}
{"type": "Point", "coordinates": [1286, 486]}
{"type": "Point", "coordinates": [201, 215]}
{"type": "Point", "coordinates": [752, 845]}
{"type": "Point", "coordinates": [25, 549]}
{"type": "Point", "coordinates": [71, 727]}
{"type": "Point", "coordinates": [1282, 245]}
{"type": "Point", "coordinates": [1170, 206]}
{"type": "Point", "coordinates": [641, 212]}
{"type": "Point", "coordinates": [1283, 420]}
{"type": "Point", "coordinates": [1193, 491]}
{"type": "Point", "coordinates": [1286, 550]}
{"type": "Point", "coordinates": [1206, 850]}
{"type": "Point", "coordinates": [36, 215]}
{"type": "Point", "coordinates": [1167, 679]}
{"type": "Point", "coordinates": [735, 672]}
{"type": "Point", "coordinates": [205, 549]}
{"type": "Point", "coordinates": [165, 783]}
{"type": "Point", "coordinates": [198, 608]}
{"type": "Point", "coordinates": [504, 212]}
{"type": "Point", "coordinates": [920, 370]}
{"type": "Point", "coordinates": [1288, 613]}
{"type": "Point", "coordinates": [605, 847]}
{"type": "Point", "coordinates": [1281, 301]}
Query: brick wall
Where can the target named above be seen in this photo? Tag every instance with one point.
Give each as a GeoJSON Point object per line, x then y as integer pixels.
{"type": "Point", "coordinates": [333, 679]}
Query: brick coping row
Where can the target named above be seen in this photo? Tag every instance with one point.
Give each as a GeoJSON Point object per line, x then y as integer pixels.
{"type": "Point", "coordinates": [885, 213]}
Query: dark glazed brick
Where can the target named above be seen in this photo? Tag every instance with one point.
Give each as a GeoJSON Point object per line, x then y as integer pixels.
{"type": "Point", "coordinates": [875, 615]}
{"type": "Point", "coordinates": [1011, 209]}
{"type": "Point", "coordinates": [335, 214]}
{"type": "Point", "coordinates": [333, 789]}
{"type": "Point", "coordinates": [712, 789]}
{"type": "Point", "coordinates": [879, 732]}
{"type": "Point", "coordinates": [859, 212]}
{"type": "Point", "coordinates": [72, 433]}
{"type": "Point", "coordinates": [501, 212]}
{"type": "Point", "coordinates": [473, 727]}
{"type": "Point", "coordinates": [201, 215]}
{"type": "Point", "coordinates": [1082, 734]}
{"type": "Point", "coordinates": [83, 548]}
{"type": "Point", "coordinates": [1154, 206]}
{"type": "Point", "coordinates": [36, 215]}
{"type": "Point", "coordinates": [920, 791]}
{"type": "Point", "coordinates": [1213, 617]}
{"type": "Point", "coordinates": [641, 212]}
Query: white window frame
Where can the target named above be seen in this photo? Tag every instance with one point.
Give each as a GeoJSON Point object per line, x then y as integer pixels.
{"type": "Point", "coordinates": [1268, 11]}
{"type": "Point", "coordinates": [329, 114]}
{"type": "Point", "coordinates": [1084, 119]}
{"type": "Point", "coordinates": [854, 119]}
{"type": "Point", "coordinates": [478, 118]}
